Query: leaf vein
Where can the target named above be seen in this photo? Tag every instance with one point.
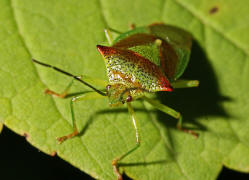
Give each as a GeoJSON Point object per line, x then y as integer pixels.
{"type": "Point", "coordinates": [99, 3]}
{"type": "Point", "coordinates": [92, 156]}
{"type": "Point", "coordinates": [18, 29]}
{"type": "Point", "coordinates": [154, 121]}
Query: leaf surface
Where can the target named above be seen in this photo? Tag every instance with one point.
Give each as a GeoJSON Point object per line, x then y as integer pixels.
{"type": "Point", "coordinates": [65, 34]}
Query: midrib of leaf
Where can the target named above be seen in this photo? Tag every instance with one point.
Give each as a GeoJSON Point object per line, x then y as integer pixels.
{"type": "Point", "coordinates": [207, 23]}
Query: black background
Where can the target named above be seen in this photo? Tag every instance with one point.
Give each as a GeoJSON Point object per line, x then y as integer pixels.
{"type": "Point", "coordinates": [19, 160]}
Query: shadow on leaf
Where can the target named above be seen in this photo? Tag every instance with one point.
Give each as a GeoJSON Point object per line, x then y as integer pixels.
{"type": "Point", "coordinates": [193, 103]}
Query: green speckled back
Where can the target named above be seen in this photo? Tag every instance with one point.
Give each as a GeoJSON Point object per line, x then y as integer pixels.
{"type": "Point", "coordinates": [172, 56]}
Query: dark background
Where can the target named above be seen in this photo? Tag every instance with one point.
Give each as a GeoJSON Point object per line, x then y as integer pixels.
{"type": "Point", "coordinates": [19, 160]}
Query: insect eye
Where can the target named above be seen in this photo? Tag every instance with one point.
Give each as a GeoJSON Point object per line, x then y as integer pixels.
{"type": "Point", "coordinates": [108, 87]}
{"type": "Point", "coordinates": [129, 99]}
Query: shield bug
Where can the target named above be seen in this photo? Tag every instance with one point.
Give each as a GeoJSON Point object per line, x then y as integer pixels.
{"type": "Point", "coordinates": [143, 60]}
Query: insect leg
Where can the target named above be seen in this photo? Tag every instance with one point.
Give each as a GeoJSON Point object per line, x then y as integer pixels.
{"type": "Point", "coordinates": [185, 83]}
{"type": "Point", "coordinates": [136, 127]}
{"type": "Point", "coordinates": [170, 112]}
{"type": "Point", "coordinates": [60, 95]}
{"type": "Point", "coordinates": [86, 96]}
{"type": "Point", "coordinates": [109, 36]}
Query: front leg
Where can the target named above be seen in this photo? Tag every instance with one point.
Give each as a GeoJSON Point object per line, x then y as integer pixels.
{"type": "Point", "coordinates": [109, 36]}
{"type": "Point", "coordinates": [86, 96]}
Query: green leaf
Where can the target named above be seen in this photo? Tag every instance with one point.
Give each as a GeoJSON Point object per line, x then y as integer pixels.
{"type": "Point", "coordinates": [65, 33]}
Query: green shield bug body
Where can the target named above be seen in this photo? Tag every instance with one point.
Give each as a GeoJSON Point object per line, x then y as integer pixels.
{"type": "Point", "coordinates": [143, 60]}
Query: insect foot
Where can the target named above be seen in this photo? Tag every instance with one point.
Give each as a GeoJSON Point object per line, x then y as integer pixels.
{"type": "Point", "coordinates": [63, 138]}
{"type": "Point", "coordinates": [48, 91]}
{"type": "Point", "coordinates": [115, 168]}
